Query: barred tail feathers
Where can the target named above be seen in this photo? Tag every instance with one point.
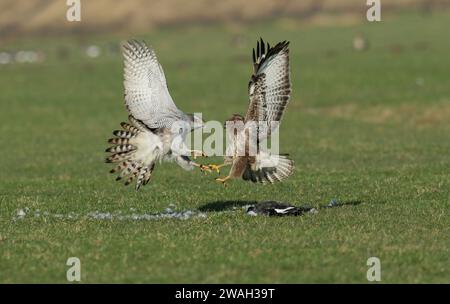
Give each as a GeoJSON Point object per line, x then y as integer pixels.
{"type": "Point", "coordinates": [134, 150]}
{"type": "Point", "coordinates": [269, 168]}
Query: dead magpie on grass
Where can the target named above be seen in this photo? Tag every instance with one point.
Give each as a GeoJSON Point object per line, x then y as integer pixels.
{"type": "Point", "coordinates": [274, 208]}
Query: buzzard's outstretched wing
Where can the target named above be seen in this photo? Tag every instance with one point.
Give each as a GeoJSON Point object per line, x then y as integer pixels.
{"type": "Point", "coordinates": [147, 97]}
{"type": "Point", "coordinates": [269, 87]}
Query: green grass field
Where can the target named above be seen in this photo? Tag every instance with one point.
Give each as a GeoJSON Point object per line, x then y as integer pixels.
{"type": "Point", "coordinates": [370, 129]}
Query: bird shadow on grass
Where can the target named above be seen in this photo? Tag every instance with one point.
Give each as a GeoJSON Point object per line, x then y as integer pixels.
{"type": "Point", "coordinates": [236, 204]}
{"type": "Point", "coordinates": [341, 204]}
{"type": "Point", "coordinates": [224, 205]}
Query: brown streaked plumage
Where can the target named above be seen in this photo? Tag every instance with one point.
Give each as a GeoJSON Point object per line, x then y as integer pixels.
{"type": "Point", "coordinates": [269, 93]}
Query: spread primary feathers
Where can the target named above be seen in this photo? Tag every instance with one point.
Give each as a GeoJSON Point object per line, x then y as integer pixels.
{"type": "Point", "coordinates": [147, 139]}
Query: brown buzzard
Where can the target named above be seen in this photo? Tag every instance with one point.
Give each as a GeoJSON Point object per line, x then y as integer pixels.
{"type": "Point", "coordinates": [269, 91]}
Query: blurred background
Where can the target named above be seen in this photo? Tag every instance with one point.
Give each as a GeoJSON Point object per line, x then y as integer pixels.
{"type": "Point", "coordinates": [368, 122]}
{"type": "Point", "coordinates": [47, 17]}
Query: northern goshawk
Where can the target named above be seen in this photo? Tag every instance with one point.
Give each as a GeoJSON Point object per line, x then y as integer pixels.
{"type": "Point", "coordinates": [157, 128]}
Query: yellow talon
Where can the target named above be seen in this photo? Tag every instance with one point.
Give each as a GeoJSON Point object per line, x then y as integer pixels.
{"type": "Point", "coordinates": [215, 167]}
{"type": "Point", "coordinates": [223, 180]}
{"type": "Point", "coordinates": [204, 169]}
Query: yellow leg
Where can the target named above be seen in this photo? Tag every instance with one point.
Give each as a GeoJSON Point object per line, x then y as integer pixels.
{"type": "Point", "coordinates": [223, 180]}
{"type": "Point", "coordinates": [202, 168]}
{"type": "Point", "coordinates": [217, 167]}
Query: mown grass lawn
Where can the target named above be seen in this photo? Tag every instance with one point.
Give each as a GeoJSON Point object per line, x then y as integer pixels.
{"type": "Point", "coordinates": [370, 129]}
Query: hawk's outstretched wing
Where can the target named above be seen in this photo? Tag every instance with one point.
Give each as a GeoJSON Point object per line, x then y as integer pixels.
{"type": "Point", "coordinates": [269, 87]}
{"type": "Point", "coordinates": [147, 97]}
{"type": "Point", "coordinates": [269, 168]}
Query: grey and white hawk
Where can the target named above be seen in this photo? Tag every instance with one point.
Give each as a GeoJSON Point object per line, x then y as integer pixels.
{"type": "Point", "coordinates": [155, 121]}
